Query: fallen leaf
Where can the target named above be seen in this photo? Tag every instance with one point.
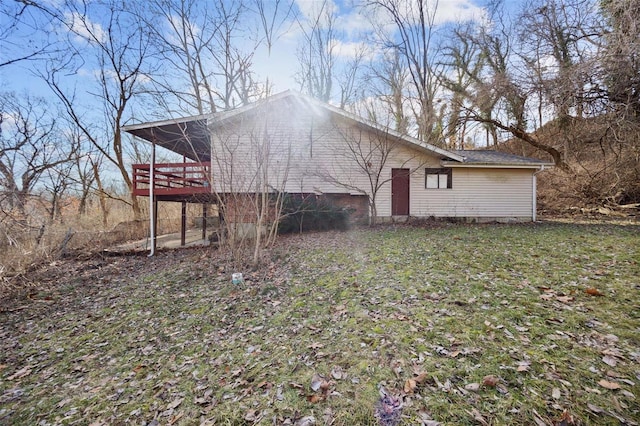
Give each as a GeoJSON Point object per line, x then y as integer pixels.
{"type": "Point", "coordinates": [317, 381]}
{"type": "Point", "coordinates": [315, 398]}
{"type": "Point", "coordinates": [478, 417]}
{"type": "Point", "coordinates": [176, 402]}
{"type": "Point", "coordinates": [609, 385]}
{"type": "Point", "coordinates": [23, 372]}
{"type": "Point", "coordinates": [421, 378]}
{"type": "Point", "coordinates": [595, 408]}
{"type": "Point", "coordinates": [472, 387]}
{"type": "Point", "coordinates": [306, 421]}
{"type": "Point", "coordinates": [628, 394]}
{"type": "Point", "coordinates": [555, 393]}
{"type": "Point", "coordinates": [538, 419]}
{"type": "Point", "coordinates": [593, 292]}
{"type": "Point", "coordinates": [490, 381]}
{"type": "Point", "coordinates": [566, 419]}
{"type": "Point", "coordinates": [175, 418]}
{"type": "Point", "coordinates": [328, 416]}
{"type": "Point", "coordinates": [564, 299]}
{"type": "Point", "coordinates": [251, 416]}
{"type": "Point", "coordinates": [409, 386]}
{"type": "Point", "coordinates": [337, 373]}
{"type": "Point", "coordinates": [139, 367]}
{"type": "Point", "coordinates": [611, 338]}
{"type": "Point", "coordinates": [609, 360]}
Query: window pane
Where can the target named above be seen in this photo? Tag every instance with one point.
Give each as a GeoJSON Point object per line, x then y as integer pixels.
{"type": "Point", "coordinates": [432, 181]}
{"type": "Point", "coordinates": [442, 183]}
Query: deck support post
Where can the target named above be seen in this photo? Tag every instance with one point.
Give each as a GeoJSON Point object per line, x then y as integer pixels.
{"type": "Point", "coordinates": [153, 216]}
{"type": "Point", "coordinates": [183, 224]}
{"type": "Point", "coordinates": [155, 224]}
{"type": "Point", "coordinates": [204, 221]}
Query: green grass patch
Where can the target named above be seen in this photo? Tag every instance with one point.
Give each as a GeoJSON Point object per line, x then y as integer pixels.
{"type": "Point", "coordinates": [503, 324]}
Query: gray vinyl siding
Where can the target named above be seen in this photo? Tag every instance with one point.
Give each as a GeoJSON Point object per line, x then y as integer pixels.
{"type": "Point", "coordinates": [476, 192]}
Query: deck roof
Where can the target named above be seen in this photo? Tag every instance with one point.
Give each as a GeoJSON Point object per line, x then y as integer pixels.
{"type": "Point", "coordinates": [186, 136]}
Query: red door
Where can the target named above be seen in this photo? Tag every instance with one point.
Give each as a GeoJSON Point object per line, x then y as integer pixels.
{"type": "Point", "coordinates": [400, 192]}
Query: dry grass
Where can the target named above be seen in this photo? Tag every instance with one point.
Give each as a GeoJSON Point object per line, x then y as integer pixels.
{"type": "Point", "coordinates": [26, 242]}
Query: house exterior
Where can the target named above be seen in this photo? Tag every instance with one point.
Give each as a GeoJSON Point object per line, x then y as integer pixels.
{"type": "Point", "coordinates": [291, 143]}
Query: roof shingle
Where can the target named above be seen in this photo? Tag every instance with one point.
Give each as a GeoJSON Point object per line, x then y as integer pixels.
{"type": "Point", "coordinates": [496, 157]}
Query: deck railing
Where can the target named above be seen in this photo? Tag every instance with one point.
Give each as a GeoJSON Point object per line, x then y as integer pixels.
{"type": "Point", "coordinates": [172, 178]}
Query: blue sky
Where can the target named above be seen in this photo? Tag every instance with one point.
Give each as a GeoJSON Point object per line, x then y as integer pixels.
{"type": "Point", "coordinates": [279, 64]}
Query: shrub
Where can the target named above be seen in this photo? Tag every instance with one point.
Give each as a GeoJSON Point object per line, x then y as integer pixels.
{"type": "Point", "coordinates": [310, 212]}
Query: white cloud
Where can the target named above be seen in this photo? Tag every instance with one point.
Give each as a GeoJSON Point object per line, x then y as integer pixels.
{"type": "Point", "coordinates": [459, 11]}
{"type": "Point", "coordinates": [175, 25]}
{"type": "Point", "coordinates": [441, 11]}
{"type": "Point", "coordinates": [352, 49]}
{"type": "Point", "coordinates": [311, 9]}
{"type": "Point", "coordinates": [84, 29]}
{"type": "Point", "coordinates": [354, 23]}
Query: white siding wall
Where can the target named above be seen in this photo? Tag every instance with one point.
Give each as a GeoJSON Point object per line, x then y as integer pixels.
{"type": "Point", "coordinates": [495, 193]}
{"type": "Point", "coordinates": [302, 150]}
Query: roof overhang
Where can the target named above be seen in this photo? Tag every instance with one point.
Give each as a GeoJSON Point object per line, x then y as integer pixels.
{"type": "Point", "coordinates": [186, 136]}
{"type": "Point", "coordinates": [496, 165]}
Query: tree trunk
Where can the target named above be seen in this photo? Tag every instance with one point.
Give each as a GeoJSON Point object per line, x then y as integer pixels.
{"type": "Point", "coordinates": [101, 194]}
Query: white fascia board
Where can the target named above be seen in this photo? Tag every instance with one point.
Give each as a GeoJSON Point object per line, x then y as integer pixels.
{"type": "Point", "coordinates": [133, 127]}
{"type": "Point", "coordinates": [496, 166]}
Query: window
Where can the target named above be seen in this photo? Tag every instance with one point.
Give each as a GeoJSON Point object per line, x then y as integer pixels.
{"type": "Point", "coordinates": [437, 178]}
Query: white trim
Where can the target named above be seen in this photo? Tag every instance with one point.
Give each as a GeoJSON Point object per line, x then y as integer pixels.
{"type": "Point", "coordinates": [132, 127]}
{"type": "Point", "coordinates": [534, 196]}
{"type": "Point", "coordinates": [152, 207]}
{"type": "Point", "coordinates": [493, 165]}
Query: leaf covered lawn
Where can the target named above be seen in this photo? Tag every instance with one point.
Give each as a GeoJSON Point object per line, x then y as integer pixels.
{"type": "Point", "coordinates": [458, 324]}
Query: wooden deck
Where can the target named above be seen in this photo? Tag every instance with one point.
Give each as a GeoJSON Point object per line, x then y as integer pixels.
{"type": "Point", "coordinates": [174, 181]}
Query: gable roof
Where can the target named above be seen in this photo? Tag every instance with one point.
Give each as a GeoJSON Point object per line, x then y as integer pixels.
{"type": "Point", "coordinates": [308, 102]}
{"type": "Point", "coordinates": [189, 136]}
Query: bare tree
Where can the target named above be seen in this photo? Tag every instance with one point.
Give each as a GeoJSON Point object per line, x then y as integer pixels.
{"type": "Point", "coordinates": [56, 184]}
{"type": "Point", "coordinates": [316, 54]}
{"type": "Point", "coordinates": [363, 160]}
{"type": "Point", "coordinates": [559, 38]}
{"type": "Point", "coordinates": [251, 160]}
{"type": "Point", "coordinates": [413, 39]}
{"type": "Point", "coordinates": [387, 83]}
{"type": "Point", "coordinates": [30, 146]}
{"type": "Point", "coordinates": [210, 49]}
{"type": "Point", "coordinates": [273, 16]}
{"type": "Point", "coordinates": [20, 21]}
{"type": "Point", "coordinates": [620, 56]}
{"type": "Point", "coordinates": [463, 63]}
{"type": "Point", "coordinates": [502, 87]}
{"type": "Point", "coordinates": [119, 48]}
